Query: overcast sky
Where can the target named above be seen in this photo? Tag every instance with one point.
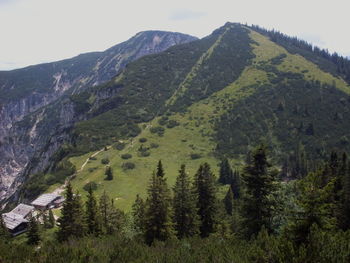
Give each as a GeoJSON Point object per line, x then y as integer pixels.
{"type": "Point", "coordinates": [36, 31]}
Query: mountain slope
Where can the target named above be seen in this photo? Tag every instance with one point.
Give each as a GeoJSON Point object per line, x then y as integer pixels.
{"type": "Point", "coordinates": [24, 93]}
{"type": "Point", "coordinates": [219, 96]}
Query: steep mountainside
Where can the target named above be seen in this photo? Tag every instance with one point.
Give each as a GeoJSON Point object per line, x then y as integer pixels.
{"type": "Point", "coordinates": [26, 91]}
{"type": "Point", "coordinates": [218, 96]}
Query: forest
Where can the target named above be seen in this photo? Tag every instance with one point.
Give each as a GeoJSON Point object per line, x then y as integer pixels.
{"type": "Point", "coordinates": [262, 216]}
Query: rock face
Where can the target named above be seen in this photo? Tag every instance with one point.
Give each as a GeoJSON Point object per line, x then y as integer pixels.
{"type": "Point", "coordinates": [36, 113]}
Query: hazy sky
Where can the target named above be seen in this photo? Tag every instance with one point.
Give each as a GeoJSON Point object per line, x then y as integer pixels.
{"type": "Point", "coordinates": [36, 31]}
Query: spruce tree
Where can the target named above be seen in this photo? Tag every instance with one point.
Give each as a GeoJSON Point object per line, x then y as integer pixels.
{"type": "Point", "coordinates": [138, 213]}
{"type": "Point", "coordinates": [228, 201]}
{"type": "Point", "coordinates": [158, 225]}
{"type": "Point", "coordinates": [236, 185]}
{"type": "Point", "coordinates": [185, 212]}
{"type": "Point", "coordinates": [205, 190]}
{"type": "Point", "coordinates": [259, 183]}
{"type": "Point", "coordinates": [71, 223]}
{"type": "Point", "coordinates": [111, 217]}
{"type": "Point", "coordinates": [92, 215]}
{"type": "Point", "coordinates": [109, 173]}
{"type": "Point", "coordinates": [226, 173]}
{"type": "Point", "coordinates": [345, 200]}
{"type": "Point", "coordinates": [4, 233]}
{"type": "Point", "coordinates": [52, 220]}
{"type": "Point", "coordinates": [45, 220]}
{"type": "Point", "coordinates": [160, 170]}
{"type": "Point", "coordinates": [33, 237]}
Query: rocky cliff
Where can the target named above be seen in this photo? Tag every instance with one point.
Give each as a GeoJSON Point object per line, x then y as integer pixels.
{"type": "Point", "coordinates": [37, 109]}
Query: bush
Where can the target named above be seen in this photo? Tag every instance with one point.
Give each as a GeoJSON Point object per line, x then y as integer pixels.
{"type": "Point", "coordinates": [154, 145]}
{"type": "Point", "coordinates": [126, 156]}
{"type": "Point", "coordinates": [92, 158]}
{"type": "Point", "coordinates": [145, 153]}
{"type": "Point", "coordinates": [91, 169]}
{"type": "Point", "coordinates": [93, 186]}
{"type": "Point", "coordinates": [119, 146]}
{"type": "Point", "coordinates": [105, 161]}
{"type": "Point", "coordinates": [163, 120]}
{"type": "Point", "coordinates": [128, 166]}
{"type": "Point", "coordinates": [172, 124]}
{"type": "Point", "coordinates": [142, 140]}
{"type": "Point", "coordinates": [158, 129]}
{"type": "Point", "coordinates": [195, 156]}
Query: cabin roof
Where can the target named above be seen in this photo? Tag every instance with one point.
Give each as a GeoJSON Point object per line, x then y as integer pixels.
{"type": "Point", "coordinates": [23, 210]}
{"type": "Point", "coordinates": [45, 199]}
{"type": "Point", "coordinates": [13, 220]}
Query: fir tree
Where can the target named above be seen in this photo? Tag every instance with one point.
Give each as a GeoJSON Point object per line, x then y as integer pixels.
{"type": "Point", "coordinates": [236, 185]}
{"type": "Point", "coordinates": [52, 220]}
{"type": "Point", "coordinates": [205, 190]}
{"type": "Point", "coordinates": [45, 220]}
{"type": "Point", "coordinates": [4, 233]}
{"type": "Point", "coordinates": [138, 213]}
{"type": "Point", "coordinates": [158, 225]}
{"type": "Point", "coordinates": [109, 173]}
{"type": "Point", "coordinates": [259, 184]}
{"type": "Point", "coordinates": [33, 237]}
{"type": "Point", "coordinates": [160, 170]}
{"type": "Point", "coordinates": [226, 174]}
{"type": "Point", "coordinates": [184, 203]}
{"type": "Point", "coordinates": [71, 223]}
{"type": "Point", "coordinates": [228, 201]}
{"type": "Point", "coordinates": [92, 215]}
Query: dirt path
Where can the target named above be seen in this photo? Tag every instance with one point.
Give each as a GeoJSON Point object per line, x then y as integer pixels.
{"type": "Point", "coordinates": [61, 188]}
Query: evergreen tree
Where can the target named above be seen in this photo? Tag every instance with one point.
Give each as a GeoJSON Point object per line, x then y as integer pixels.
{"type": "Point", "coordinates": [205, 190]}
{"type": "Point", "coordinates": [45, 220]}
{"type": "Point", "coordinates": [158, 225]}
{"type": "Point", "coordinates": [184, 203]}
{"type": "Point", "coordinates": [228, 201]}
{"type": "Point", "coordinates": [92, 216]}
{"type": "Point", "coordinates": [71, 223]}
{"type": "Point", "coordinates": [52, 220]}
{"type": "Point", "coordinates": [160, 170]}
{"type": "Point", "coordinates": [236, 185]}
{"type": "Point", "coordinates": [138, 213]}
{"type": "Point", "coordinates": [259, 183]}
{"type": "Point", "coordinates": [226, 173]}
{"type": "Point", "coordinates": [33, 237]}
{"type": "Point", "coordinates": [345, 199]}
{"type": "Point", "coordinates": [109, 173]}
{"type": "Point", "coordinates": [111, 218]}
{"type": "Point", "coordinates": [4, 233]}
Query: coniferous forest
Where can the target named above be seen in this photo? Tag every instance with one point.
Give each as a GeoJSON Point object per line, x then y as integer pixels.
{"type": "Point", "coordinates": [260, 218]}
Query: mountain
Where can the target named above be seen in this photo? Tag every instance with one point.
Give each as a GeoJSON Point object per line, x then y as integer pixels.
{"type": "Point", "coordinates": [200, 101]}
{"type": "Point", "coordinates": [26, 91]}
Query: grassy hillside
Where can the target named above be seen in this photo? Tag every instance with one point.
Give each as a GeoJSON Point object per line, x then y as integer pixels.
{"type": "Point", "coordinates": [195, 103]}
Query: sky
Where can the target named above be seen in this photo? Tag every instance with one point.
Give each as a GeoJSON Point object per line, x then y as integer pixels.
{"type": "Point", "coordinates": [38, 31]}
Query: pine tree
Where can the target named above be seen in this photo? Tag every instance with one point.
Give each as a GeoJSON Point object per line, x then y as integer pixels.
{"type": "Point", "coordinates": [52, 220]}
{"type": "Point", "coordinates": [109, 173]}
{"type": "Point", "coordinates": [205, 190]}
{"type": "Point", "coordinates": [33, 237]}
{"type": "Point", "coordinates": [92, 216]}
{"type": "Point", "coordinates": [4, 233]}
{"type": "Point", "coordinates": [138, 213]}
{"type": "Point", "coordinates": [345, 200]}
{"type": "Point", "coordinates": [184, 203]}
{"type": "Point", "coordinates": [158, 225]}
{"type": "Point", "coordinates": [71, 223]}
{"type": "Point", "coordinates": [228, 201]}
{"type": "Point", "coordinates": [259, 183]}
{"type": "Point", "coordinates": [236, 185]}
{"type": "Point", "coordinates": [111, 218]}
{"type": "Point", "coordinates": [226, 173]}
{"type": "Point", "coordinates": [160, 170]}
{"type": "Point", "coordinates": [45, 220]}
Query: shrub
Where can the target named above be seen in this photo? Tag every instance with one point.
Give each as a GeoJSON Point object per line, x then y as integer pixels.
{"type": "Point", "coordinates": [154, 145]}
{"type": "Point", "coordinates": [145, 153]}
{"type": "Point", "coordinates": [172, 124]}
{"type": "Point", "coordinates": [142, 140]}
{"type": "Point", "coordinates": [195, 156]}
{"type": "Point", "coordinates": [105, 161]}
{"type": "Point", "coordinates": [92, 158]}
{"type": "Point", "coordinates": [126, 156]}
{"type": "Point", "coordinates": [119, 146]}
{"type": "Point", "coordinates": [158, 129]}
{"type": "Point", "coordinates": [91, 185]}
{"type": "Point", "coordinates": [128, 166]}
